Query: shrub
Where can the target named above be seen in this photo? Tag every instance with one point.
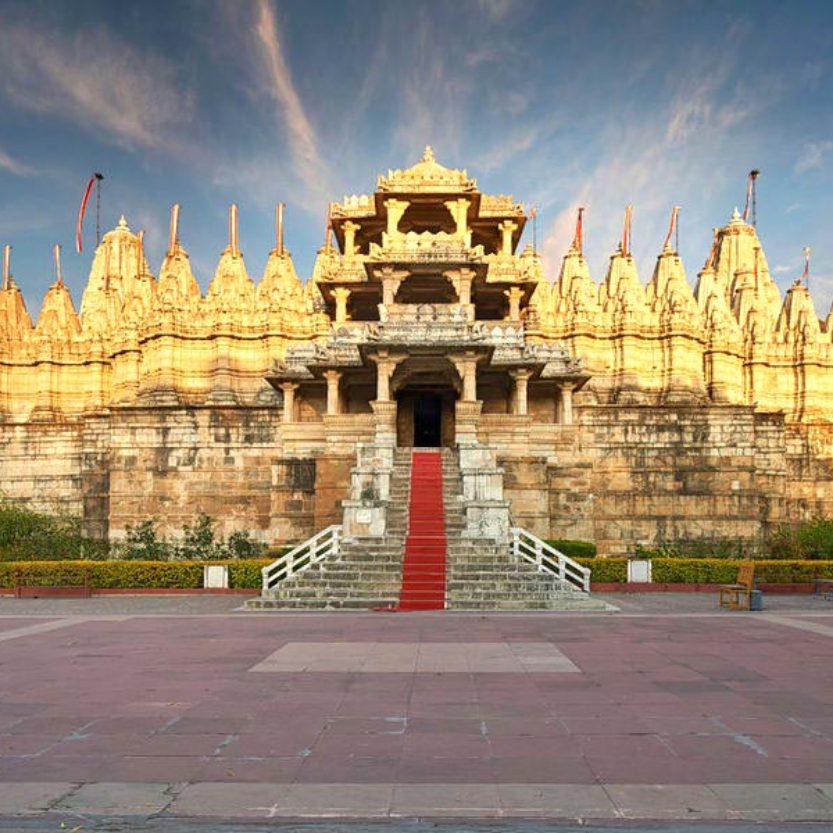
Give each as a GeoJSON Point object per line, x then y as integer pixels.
{"type": "Point", "coordinates": [104, 574]}
{"type": "Point", "coordinates": [26, 534]}
{"type": "Point", "coordinates": [811, 540]}
{"type": "Point", "coordinates": [246, 574]}
{"type": "Point", "coordinates": [609, 570]}
{"type": "Point", "coordinates": [698, 548]}
{"type": "Point", "coordinates": [574, 549]}
{"type": "Point", "coordinates": [141, 543]}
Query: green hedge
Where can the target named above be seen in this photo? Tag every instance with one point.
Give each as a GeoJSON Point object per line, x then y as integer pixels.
{"type": "Point", "coordinates": [609, 570]}
{"type": "Point", "coordinates": [246, 574]}
{"type": "Point", "coordinates": [105, 574]}
{"type": "Point", "coordinates": [720, 571]}
{"type": "Point", "coordinates": [574, 549]}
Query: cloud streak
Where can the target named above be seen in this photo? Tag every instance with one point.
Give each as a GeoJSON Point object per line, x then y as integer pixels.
{"type": "Point", "coordinates": [13, 166]}
{"type": "Point", "coordinates": [94, 80]}
{"type": "Point", "coordinates": [812, 155]}
{"type": "Point", "coordinates": [278, 85]}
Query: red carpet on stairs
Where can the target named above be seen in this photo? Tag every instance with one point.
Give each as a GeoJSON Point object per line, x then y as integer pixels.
{"type": "Point", "coordinates": [423, 569]}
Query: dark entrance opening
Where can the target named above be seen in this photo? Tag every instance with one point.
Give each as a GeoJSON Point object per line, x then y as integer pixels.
{"type": "Point", "coordinates": [428, 420]}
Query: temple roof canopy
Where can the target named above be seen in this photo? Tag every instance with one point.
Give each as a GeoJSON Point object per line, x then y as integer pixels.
{"type": "Point", "coordinates": [427, 176]}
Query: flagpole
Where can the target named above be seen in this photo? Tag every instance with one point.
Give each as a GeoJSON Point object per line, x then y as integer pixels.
{"type": "Point", "coordinates": [98, 178]}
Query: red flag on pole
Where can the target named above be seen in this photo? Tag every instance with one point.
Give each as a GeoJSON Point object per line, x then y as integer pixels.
{"type": "Point", "coordinates": [805, 274]}
{"type": "Point", "coordinates": [674, 212]}
{"type": "Point", "coordinates": [81, 212]}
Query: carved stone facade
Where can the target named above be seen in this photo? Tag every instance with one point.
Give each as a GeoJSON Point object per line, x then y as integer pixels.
{"type": "Point", "coordinates": [620, 413]}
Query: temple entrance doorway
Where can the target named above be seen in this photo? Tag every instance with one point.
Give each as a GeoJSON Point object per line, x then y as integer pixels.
{"type": "Point", "coordinates": [428, 421]}
{"type": "Point", "coordinates": [425, 418]}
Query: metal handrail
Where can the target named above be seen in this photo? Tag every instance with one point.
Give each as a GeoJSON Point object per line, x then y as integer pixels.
{"type": "Point", "coordinates": [322, 545]}
{"type": "Point", "coordinates": [548, 559]}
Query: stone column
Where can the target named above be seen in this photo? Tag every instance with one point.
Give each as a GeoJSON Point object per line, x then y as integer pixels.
{"type": "Point", "coordinates": [567, 403]}
{"type": "Point", "coordinates": [395, 209]}
{"type": "Point", "coordinates": [333, 378]}
{"type": "Point", "coordinates": [507, 227]}
{"type": "Point", "coordinates": [521, 377]}
{"type": "Point", "coordinates": [467, 368]}
{"type": "Point", "coordinates": [342, 295]}
{"type": "Point", "coordinates": [459, 209]}
{"type": "Point", "coordinates": [350, 228]}
{"type": "Point", "coordinates": [514, 294]}
{"type": "Point", "coordinates": [461, 280]}
{"type": "Point", "coordinates": [391, 280]}
{"type": "Point", "coordinates": [289, 389]}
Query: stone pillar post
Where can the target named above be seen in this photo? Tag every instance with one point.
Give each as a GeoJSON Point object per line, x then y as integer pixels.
{"type": "Point", "coordinates": [507, 227]}
{"type": "Point", "coordinates": [391, 280]}
{"type": "Point", "coordinates": [521, 377]}
{"type": "Point", "coordinates": [461, 280]}
{"type": "Point", "coordinates": [567, 403]}
{"type": "Point", "coordinates": [350, 228]}
{"type": "Point", "coordinates": [395, 209]}
{"type": "Point", "coordinates": [289, 389]}
{"type": "Point", "coordinates": [333, 378]}
{"type": "Point", "coordinates": [514, 294]}
{"type": "Point", "coordinates": [342, 295]}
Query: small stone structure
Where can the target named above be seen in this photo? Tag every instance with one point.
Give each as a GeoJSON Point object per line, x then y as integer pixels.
{"type": "Point", "coordinates": [619, 412]}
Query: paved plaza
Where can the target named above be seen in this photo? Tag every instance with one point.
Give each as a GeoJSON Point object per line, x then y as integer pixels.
{"type": "Point", "coordinates": [176, 713]}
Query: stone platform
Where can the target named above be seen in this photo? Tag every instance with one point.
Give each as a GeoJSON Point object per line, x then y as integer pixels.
{"type": "Point", "coordinates": [173, 717]}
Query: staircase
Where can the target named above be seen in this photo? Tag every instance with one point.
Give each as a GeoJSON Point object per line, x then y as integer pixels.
{"type": "Point", "coordinates": [423, 568]}
{"type": "Point", "coordinates": [425, 562]}
{"type": "Point", "coordinates": [365, 574]}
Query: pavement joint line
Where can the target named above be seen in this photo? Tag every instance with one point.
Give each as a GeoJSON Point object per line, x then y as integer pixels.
{"type": "Point", "coordinates": [784, 802]}
{"type": "Point", "coordinates": [788, 621]}
{"type": "Point", "coordinates": [43, 627]}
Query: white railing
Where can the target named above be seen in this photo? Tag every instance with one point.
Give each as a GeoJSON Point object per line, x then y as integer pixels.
{"type": "Point", "coordinates": [315, 549]}
{"type": "Point", "coordinates": [548, 559]}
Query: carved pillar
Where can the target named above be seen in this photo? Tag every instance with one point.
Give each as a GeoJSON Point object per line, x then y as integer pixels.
{"type": "Point", "coordinates": [507, 227]}
{"type": "Point", "coordinates": [461, 280]}
{"type": "Point", "coordinates": [289, 389]}
{"type": "Point", "coordinates": [467, 368]}
{"type": "Point", "coordinates": [459, 209]}
{"type": "Point", "coordinates": [395, 209]}
{"type": "Point", "coordinates": [391, 280]}
{"type": "Point", "coordinates": [350, 228]}
{"type": "Point", "coordinates": [514, 294]}
{"type": "Point", "coordinates": [333, 378]}
{"type": "Point", "coordinates": [342, 295]}
{"type": "Point", "coordinates": [567, 403]}
{"type": "Point", "coordinates": [521, 377]}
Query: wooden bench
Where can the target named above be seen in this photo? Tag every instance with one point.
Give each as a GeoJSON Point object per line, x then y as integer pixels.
{"type": "Point", "coordinates": [824, 588]}
{"type": "Point", "coordinates": [731, 594]}
{"type": "Point", "coordinates": [36, 591]}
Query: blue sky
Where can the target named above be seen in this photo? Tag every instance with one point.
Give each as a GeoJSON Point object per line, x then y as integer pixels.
{"type": "Point", "coordinates": [560, 104]}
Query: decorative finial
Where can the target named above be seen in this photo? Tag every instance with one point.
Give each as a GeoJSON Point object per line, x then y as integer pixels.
{"type": "Point", "coordinates": [735, 215]}
{"type": "Point", "coordinates": [428, 154]}
{"type": "Point", "coordinates": [123, 224]}
{"type": "Point", "coordinates": [56, 253]}
{"type": "Point", "coordinates": [174, 235]}
{"type": "Point", "coordinates": [7, 260]}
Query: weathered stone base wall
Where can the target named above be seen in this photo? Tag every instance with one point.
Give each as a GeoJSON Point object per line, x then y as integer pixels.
{"type": "Point", "coordinates": [620, 476]}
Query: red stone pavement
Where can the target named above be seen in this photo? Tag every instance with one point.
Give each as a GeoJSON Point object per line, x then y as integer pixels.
{"type": "Point", "coordinates": [657, 700]}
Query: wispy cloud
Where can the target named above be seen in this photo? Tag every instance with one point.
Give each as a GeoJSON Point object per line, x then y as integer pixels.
{"type": "Point", "coordinates": [277, 84]}
{"type": "Point", "coordinates": [94, 80]}
{"type": "Point", "coordinates": [812, 155]}
{"type": "Point", "coordinates": [498, 10]}
{"type": "Point", "coordinates": [13, 166]}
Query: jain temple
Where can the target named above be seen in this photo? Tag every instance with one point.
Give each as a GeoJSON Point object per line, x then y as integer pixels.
{"type": "Point", "coordinates": [554, 406]}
